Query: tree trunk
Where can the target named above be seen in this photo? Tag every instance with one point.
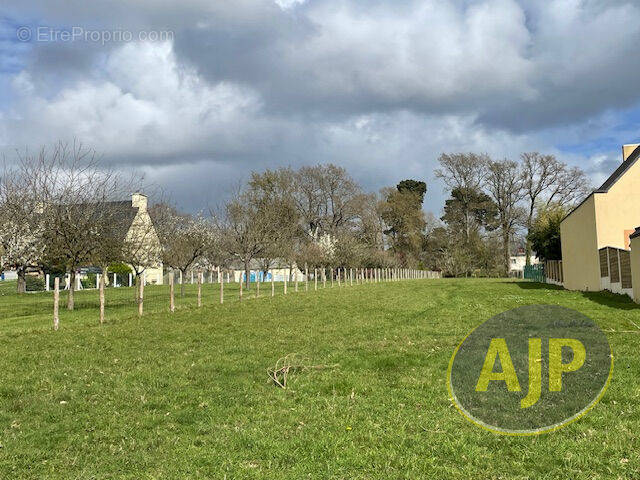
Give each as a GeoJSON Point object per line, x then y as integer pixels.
{"type": "Point", "coordinates": [506, 251]}
{"type": "Point", "coordinates": [22, 281]}
{"type": "Point", "coordinates": [527, 245]}
{"type": "Point", "coordinates": [72, 289]}
{"type": "Point", "coordinates": [246, 274]}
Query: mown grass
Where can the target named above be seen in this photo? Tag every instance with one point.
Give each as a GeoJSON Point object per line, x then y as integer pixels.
{"type": "Point", "coordinates": [187, 395]}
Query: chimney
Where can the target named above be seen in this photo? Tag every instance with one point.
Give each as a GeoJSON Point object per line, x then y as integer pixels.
{"type": "Point", "coordinates": [139, 201]}
{"type": "Point", "coordinates": [628, 150]}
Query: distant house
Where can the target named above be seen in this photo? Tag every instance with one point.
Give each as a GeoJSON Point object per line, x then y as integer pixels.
{"type": "Point", "coordinates": [518, 262]}
{"type": "Point", "coordinates": [605, 218]}
{"type": "Point", "coordinates": [138, 229]}
{"type": "Point", "coordinates": [278, 268]}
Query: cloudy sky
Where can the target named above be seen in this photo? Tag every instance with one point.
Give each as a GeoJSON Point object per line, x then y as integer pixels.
{"type": "Point", "coordinates": [199, 93]}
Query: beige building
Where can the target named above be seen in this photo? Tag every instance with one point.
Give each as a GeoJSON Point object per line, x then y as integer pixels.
{"type": "Point", "coordinates": [142, 235]}
{"type": "Point", "coordinates": [606, 218]}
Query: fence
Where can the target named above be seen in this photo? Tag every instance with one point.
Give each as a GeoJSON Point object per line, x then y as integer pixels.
{"type": "Point", "coordinates": [203, 288]}
{"type": "Point", "coordinates": [615, 270]}
{"type": "Point", "coordinates": [547, 272]}
{"type": "Point", "coordinates": [534, 273]}
{"type": "Point", "coordinates": [553, 271]}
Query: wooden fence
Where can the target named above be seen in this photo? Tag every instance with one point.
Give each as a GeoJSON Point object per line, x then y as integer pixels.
{"type": "Point", "coordinates": [615, 270]}
{"type": "Point", "coordinates": [311, 279]}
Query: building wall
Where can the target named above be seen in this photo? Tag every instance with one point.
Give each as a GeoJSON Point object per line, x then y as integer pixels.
{"type": "Point", "coordinates": [635, 268]}
{"type": "Point", "coordinates": [143, 232]}
{"type": "Point", "coordinates": [580, 260]}
{"type": "Point", "coordinates": [618, 210]}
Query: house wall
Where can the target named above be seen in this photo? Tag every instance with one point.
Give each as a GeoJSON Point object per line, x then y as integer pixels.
{"type": "Point", "coordinates": [635, 268]}
{"type": "Point", "coordinates": [580, 260]}
{"type": "Point", "coordinates": [618, 210]}
{"type": "Point", "coordinates": [143, 230]}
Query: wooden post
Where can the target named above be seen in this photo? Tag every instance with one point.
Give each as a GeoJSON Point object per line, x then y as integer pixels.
{"type": "Point", "coordinates": [332, 278]}
{"type": "Point", "coordinates": [296, 280]}
{"type": "Point", "coordinates": [315, 279]}
{"type": "Point", "coordinates": [141, 298]}
{"type": "Point", "coordinates": [306, 278]}
{"type": "Point", "coordinates": [338, 275]}
{"type": "Point", "coordinates": [241, 285]}
{"type": "Point", "coordinates": [285, 283]}
{"type": "Point", "coordinates": [191, 277]}
{"type": "Point", "coordinates": [130, 280]}
{"type": "Point", "coordinates": [257, 283]}
{"type": "Point", "coordinates": [273, 285]}
{"type": "Point", "coordinates": [101, 287]}
{"type": "Point", "coordinates": [56, 302]}
{"type": "Point", "coordinates": [351, 276]}
{"type": "Point", "coordinates": [324, 277]}
{"type": "Point", "coordinates": [172, 303]}
{"type": "Point", "coordinates": [221, 288]}
{"type": "Point", "coordinates": [199, 289]}
{"type": "Point", "coordinates": [46, 282]}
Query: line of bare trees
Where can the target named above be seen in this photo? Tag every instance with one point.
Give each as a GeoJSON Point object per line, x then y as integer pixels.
{"type": "Point", "coordinates": [61, 210]}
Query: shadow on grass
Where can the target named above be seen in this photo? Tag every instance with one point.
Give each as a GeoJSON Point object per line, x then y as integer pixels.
{"type": "Point", "coordinates": [608, 299]}
{"type": "Point", "coordinates": [536, 285]}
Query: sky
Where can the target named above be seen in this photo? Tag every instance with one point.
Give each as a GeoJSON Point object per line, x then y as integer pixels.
{"type": "Point", "coordinates": [196, 94]}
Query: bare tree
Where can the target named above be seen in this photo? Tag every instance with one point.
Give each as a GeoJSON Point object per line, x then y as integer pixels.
{"type": "Point", "coordinates": [272, 194]}
{"type": "Point", "coordinates": [545, 180]}
{"type": "Point", "coordinates": [504, 184]}
{"type": "Point", "coordinates": [254, 222]}
{"type": "Point", "coordinates": [185, 239]}
{"type": "Point", "coordinates": [327, 199]}
{"type": "Point", "coordinates": [78, 200]}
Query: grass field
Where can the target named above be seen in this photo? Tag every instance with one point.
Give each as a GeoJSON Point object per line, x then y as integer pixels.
{"type": "Point", "coordinates": [187, 395]}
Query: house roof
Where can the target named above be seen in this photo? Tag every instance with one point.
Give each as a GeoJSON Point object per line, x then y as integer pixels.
{"type": "Point", "coordinates": [613, 178]}
{"type": "Point", "coordinates": [119, 215]}
{"type": "Point", "coordinates": [125, 212]}
{"type": "Point", "coordinates": [624, 166]}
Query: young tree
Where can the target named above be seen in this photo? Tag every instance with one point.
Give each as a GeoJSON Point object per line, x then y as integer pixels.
{"type": "Point", "coordinates": [185, 240]}
{"type": "Point", "coordinates": [22, 241]}
{"type": "Point", "coordinates": [78, 196]}
{"type": "Point", "coordinates": [504, 184]}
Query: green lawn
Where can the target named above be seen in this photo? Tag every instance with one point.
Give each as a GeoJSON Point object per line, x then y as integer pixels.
{"type": "Point", "coordinates": [187, 395]}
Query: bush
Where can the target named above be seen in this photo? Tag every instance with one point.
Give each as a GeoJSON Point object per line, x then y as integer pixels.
{"type": "Point", "coordinates": [119, 269]}
{"type": "Point", "coordinates": [89, 281]}
{"type": "Point", "coordinates": [34, 284]}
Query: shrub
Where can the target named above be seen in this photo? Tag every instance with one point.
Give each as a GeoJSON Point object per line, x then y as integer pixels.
{"type": "Point", "coordinates": [34, 284]}
{"type": "Point", "coordinates": [89, 281]}
{"type": "Point", "coordinates": [119, 269]}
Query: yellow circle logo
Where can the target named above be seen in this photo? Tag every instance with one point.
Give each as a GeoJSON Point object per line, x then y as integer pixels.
{"type": "Point", "coordinates": [530, 370]}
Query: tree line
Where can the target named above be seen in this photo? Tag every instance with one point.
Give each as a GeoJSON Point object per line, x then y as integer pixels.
{"type": "Point", "coordinates": [61, 210]}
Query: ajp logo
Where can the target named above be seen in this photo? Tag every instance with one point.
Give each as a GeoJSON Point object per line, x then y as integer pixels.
{"type": "Point", "coordinates": [530, 370]}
